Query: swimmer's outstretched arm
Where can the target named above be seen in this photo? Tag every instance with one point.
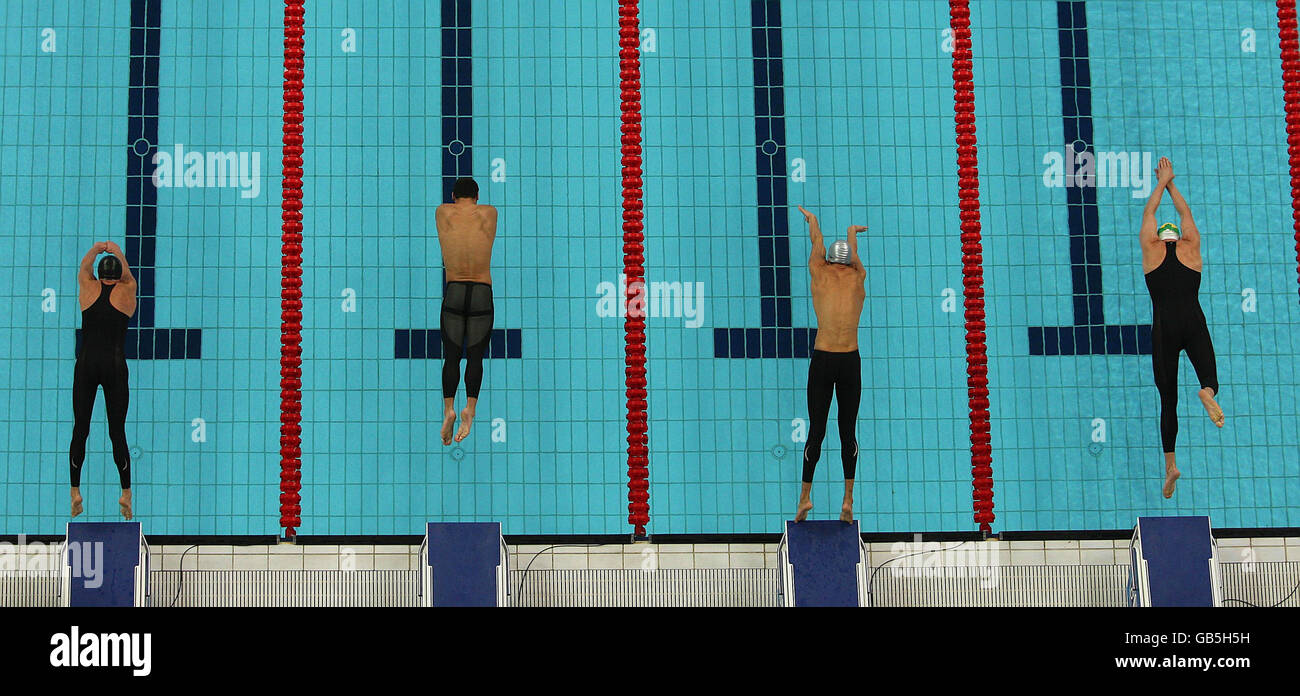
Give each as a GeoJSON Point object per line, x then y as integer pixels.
{"type": "Point", "coordinates": [1186, 225]}
{"type": "Point", "coordinates": [815, 230]}
{"type": "Point", "coordinates": [1164, 175]}
{"type": "Point", "coordinates": [853, 245]}
{"type": "Point", "coordinates": [88, 262]}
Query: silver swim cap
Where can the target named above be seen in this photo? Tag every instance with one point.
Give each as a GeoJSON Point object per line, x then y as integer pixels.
{"type": "Point", "coordinates": [1168, 232]}
{"type": "Point", "coordinates": [839, 253]}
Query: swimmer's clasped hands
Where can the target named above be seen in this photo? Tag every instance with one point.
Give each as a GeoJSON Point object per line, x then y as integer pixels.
{"type": "Point", "coordinates": [1165, 170]}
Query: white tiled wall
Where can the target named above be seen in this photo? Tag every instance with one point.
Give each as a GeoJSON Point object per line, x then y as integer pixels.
{"type": "Point", "coordinates": [618, 556]}
{"type": "Point", "coordinates": [285, 557]}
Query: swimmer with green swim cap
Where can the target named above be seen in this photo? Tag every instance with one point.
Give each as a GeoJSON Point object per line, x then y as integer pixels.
{"type": "Point", "coordinates": [1172, 264]}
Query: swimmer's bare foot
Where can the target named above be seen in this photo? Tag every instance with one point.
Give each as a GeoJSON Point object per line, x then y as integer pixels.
{"type": "Point", "coordinates": [1211, 406]}
{"type": "Point", "coordinates": [76, 502]}
{"type": "Point", "coordinates": [466, 421]}
{"type": "Point", "coordinates": [124, 504]}
{"type": "Point", "coordinates": [805, 506]}
{"type": "Point", "coordinates": [1171, 480]}
{"type": "Point", "coordinates": [846, 510]}
{"type": "Point", "coordinates": [448, 423]}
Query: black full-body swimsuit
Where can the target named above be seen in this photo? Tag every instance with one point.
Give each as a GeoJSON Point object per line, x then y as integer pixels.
{"type": "Point", "coordinates": [101, 363]}
{"type": "Point", "coordinates": [1177, 324]}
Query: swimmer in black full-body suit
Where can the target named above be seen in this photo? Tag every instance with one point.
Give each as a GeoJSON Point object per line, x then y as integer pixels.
{"type": "Point", "coordinates": [1171, 261]}
{"type": "Point", "coordinates": [107, 303]}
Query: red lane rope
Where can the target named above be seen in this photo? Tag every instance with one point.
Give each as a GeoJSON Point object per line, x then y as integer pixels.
{"type": "Point", "coordinates": [638, 451]}
{"type": "Point", "coordinates": [972, 257]}
{"type": "Point", "coordinates": [1289, 40]}
{"type": "Point", "coordinates": [291, 273]}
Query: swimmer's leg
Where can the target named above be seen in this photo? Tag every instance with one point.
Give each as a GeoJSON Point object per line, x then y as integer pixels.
{"type": "Point", "coordinates": [478, 336]}
{"type": "Point", "coordinates": [821, 386]}
{"type": "Point", "coordinates": [1171, 476]}
{"type": "Point", "coordinates": [448, 420]}
{"type": "Point", "coordinates": [1212, 407]}
{"type": "Point", "coordinates": [474, 370]}
{"type": "Point", "coordinates": [846, 507]}
{"type": "Point", "coordinates": [1200, 350]}
{"type": "Point", "coordinates": [848, 395]}
{"type": "Point", "coordinates": [1164, 362]}
{"type": "Point", "coordinates": [84, 388]}
{"type": "Point", "coordinates": [450, 381]}
{"type": "Point", "coordinates": [466, 418]}
{"type": "Point", "coordinates": [452, 331]}
{"type": "Point", "coordinates": [805, 502]}
{"type": "Point", "coordinates": [117, 399]}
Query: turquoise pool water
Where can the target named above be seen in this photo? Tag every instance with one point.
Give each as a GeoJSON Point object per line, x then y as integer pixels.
{"type": "Point", "coordinates": [751, 108]}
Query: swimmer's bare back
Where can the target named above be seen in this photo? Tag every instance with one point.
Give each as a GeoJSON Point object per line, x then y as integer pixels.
{"type": "Point", "coordinates": [837, 291]}
{"type": "Point", "coordinates": [466, 231]}
{"type": "Point", "coordinates": [837, 296]}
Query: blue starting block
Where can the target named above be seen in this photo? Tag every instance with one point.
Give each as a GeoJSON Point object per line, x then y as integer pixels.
{"type": "Point", "coordinates": [105, 564]}
{"type": "Point", "coordinates": [464, 564]}
{"type": "Point", "coordinates": [823, 564]}
{"type": "Point", "coordinates": [1174, 562]}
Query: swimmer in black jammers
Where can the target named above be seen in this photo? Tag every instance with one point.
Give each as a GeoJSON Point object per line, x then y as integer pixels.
{"type": "Point", "coordinates": [466, 230]}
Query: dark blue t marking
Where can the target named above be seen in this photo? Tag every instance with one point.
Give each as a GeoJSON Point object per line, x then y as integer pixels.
{"type": "Point", "coordinates": [143, 340]}
{"type": "Point", "coordinates": [1090, 335]}
{"type": "Point", "coordinates": [457, 138]}
{"type": "Point", "coordinates": [777, 338]}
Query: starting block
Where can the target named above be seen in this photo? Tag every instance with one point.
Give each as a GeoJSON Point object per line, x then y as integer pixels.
{"type": "Point", "coordinates": [823, 564]}
{"type": "Point", "coordinates": [105, 564]}
{"type": "Point", "coordinates": [1174, 562]}
{"type": "Point", "coordinates": [464, 564]}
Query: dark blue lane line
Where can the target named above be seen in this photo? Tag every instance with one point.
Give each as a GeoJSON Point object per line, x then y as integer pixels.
{"type": "Point", "coordinates": [143, 340]}
{"type": "Point", "coordinates": [1090, 335]}
{"type": "Point", "coordinates": [457, 94]}
{"type": "Point", "coordinates": [777, 337]}
{"type": "Point", "coordinates": [457, 141]}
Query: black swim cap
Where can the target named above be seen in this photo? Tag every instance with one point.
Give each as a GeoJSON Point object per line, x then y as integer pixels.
{"type": "Point", "coordinates": [110, 268]}
{"type": "Point", "coordinates": [465, 188]}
